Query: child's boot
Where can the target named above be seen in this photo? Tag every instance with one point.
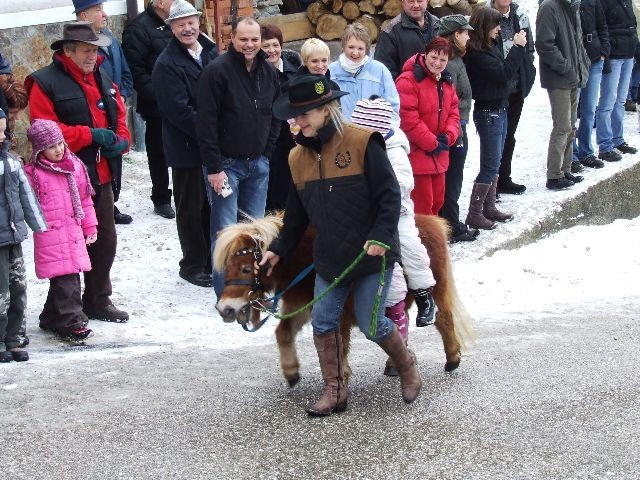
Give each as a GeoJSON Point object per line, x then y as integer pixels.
{"type": "Point", "coordinates": [426, 306]}
{"type": "Point", "coordinates": [398, 316]}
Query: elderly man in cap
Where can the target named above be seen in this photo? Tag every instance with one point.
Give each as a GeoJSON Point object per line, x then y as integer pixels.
{"type": "Point", "coordinates": [77, 94]}
{"type": "Point", "coordinates": [116, 67]}
{"type": "Point", "coordinates": [237, 131]}
{"type": "Point", "coordinates": [175, 80]}
{"type": "Point", "coordinates": [143, 39]}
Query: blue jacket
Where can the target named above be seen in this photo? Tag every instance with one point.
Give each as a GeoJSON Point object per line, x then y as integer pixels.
{"type": "Point", "coordinates": [372, 79]}
{"type": "Point", "coordinates": [116, 66]}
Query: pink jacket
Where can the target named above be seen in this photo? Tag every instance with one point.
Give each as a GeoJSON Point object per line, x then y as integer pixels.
{"type": "Point", "coordinates": [61, 250]}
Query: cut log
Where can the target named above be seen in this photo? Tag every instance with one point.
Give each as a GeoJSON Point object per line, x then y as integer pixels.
{"type": "Point", "coordinates": [350, 10]}
{"type": "Point", "coordinates": [461, 6]}
{"type": "Point", "coordinates": [315, 10]}
{"type": "Point", "coordinates": [371, 24]}
{"type": "Point", "coordinates": [295, 26]}
{"type": "Point", "coordinates": [392, 8]}
{"type": "Point", "coordinates": [441, 11]}
{"type": "Point", "coordinates": [385, 23]}
{"type": "Point", "coordinates": [326, 2]}
{"type": "Point", "coordinates": [367, 6]}
{"type": "Point", "coordinates": [437, 3]}
{"type": "Point", "coordinates": [330, 27]}
{"type": "Point", "coordinates": [377, 3]}
{"type": "Point", "coordinates": [336, 6]}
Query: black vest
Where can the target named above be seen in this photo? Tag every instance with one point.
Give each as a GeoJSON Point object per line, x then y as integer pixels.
{"type": "Point", "coordinates": [71, 108]}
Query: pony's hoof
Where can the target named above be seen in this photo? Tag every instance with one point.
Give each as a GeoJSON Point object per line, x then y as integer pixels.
{"type": "Point", "coordinates": [451, 366]}
{"type": "Point", "coordinates": [293, 381]}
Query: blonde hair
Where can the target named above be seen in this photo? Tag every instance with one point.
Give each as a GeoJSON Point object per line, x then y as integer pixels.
{"type": "Point", "coordinates": [335, 115]}
{"type": "Point", "coordinates": [313, 46]}
{"type": "Point", "coordinates": [359, 32]}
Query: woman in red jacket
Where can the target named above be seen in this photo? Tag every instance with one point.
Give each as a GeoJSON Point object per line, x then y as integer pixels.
{"type": "Point", "coordinates": [429, 116]}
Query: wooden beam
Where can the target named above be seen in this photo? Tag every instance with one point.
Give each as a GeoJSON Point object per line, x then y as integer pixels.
{"type": "Point", "coordinates": [295, 26]}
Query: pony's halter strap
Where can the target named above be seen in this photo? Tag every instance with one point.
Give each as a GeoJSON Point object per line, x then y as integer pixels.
{"type": "Point", "coordinates": [255, 284]}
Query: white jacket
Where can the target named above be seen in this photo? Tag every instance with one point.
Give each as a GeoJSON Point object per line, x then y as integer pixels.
{"type": "Point", "coordinates": [398, 153]}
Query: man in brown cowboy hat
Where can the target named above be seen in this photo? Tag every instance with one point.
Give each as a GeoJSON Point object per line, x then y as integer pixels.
{"type": "Point", "coordinates": [77, 94]}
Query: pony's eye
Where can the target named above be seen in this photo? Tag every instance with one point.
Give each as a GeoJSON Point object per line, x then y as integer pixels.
{"type": "Point", "coordinates": [247, 269]}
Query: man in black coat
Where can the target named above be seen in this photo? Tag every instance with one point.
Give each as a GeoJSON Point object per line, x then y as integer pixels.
{"type": "Point", "coordinates": [142, 41]}
{"type": "Point", "coordinates": [175, 79]}
{"type": "Point", "coordinates": [237, 131]}
{"type": "Point", "coordinates": [405, 35]}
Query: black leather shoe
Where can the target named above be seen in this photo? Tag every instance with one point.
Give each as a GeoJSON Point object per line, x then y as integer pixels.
{"type": "Point", "coordinates": [20, 355]}
{"type": "Point", "coordinates": [559, 183]}
{"type": "Point", "coordinates": [610, 156]}
{"type": "Point", "coordinates": [107, 314]}
{"type": "Point", "coordinates": [626, 148]}
{"type": "Point", "coordinates": [199, 279]}
{"type": "Point", "coordinates": [576, 167]}
{"type": "Point", "coordinates": [592, 162]}
{"type": "Point", "coordinates": [165, 211]}
{"type": "Point", "coordinates": [121, 218]}
{"type": "Point", "coordinates": [509, 187]}
{"type": "Point", "coordinates": [5, 357]}
{"type": "Point", "coordinates": [573, 178]}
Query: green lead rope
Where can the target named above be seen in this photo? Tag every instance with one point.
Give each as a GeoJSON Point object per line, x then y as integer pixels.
{"type": "Point", "coordinates": [376, 301]}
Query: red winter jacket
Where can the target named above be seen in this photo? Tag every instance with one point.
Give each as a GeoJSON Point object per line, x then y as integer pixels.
{"type": "Point", "coordinates": [428, 107]}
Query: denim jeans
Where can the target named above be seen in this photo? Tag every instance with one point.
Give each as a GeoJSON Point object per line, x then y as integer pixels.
{"type": "Point", "coordinates": [587, 111]}
{"type": "Point", "coordinates": [325, 316]}
{"type": "Point", "coordinates": [249, 180]}
{"type": "Point", "coordinates": [610, 112]}
{"type": "Point", "coordinates": [491, 126]}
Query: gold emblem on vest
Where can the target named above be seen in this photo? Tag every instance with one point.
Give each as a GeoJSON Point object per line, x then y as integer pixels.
{"type": "Point", "coordinates": [343, 160]}
{"type": "Point", "coordinates": [319, 87]}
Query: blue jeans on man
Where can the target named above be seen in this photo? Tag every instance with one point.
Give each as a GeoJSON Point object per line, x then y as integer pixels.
{"type": "Point", "coordinates": [614, 87]}
{"type": "Point", "coordinates": [491, 126]}
{"type": "Point", "coordinates": [587, 112]}
{"type": "Point", "coordinates": [326, 313]}
{"type": "Point", "coordinates": [249, 180]}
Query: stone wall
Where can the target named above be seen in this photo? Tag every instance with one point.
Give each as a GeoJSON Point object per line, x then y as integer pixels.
{"type": "Point", "coordinates": [28, 49]}
{"type": "Point", "coordinates": [267, 8]}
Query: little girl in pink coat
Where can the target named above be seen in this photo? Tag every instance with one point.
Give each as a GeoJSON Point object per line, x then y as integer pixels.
{"type": "Point", "coordinates": [61, 183]}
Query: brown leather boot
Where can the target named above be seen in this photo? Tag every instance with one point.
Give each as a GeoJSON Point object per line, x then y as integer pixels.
{"type": "Point", "coordinates": [489, 210]}
{"type": "Point", "coordinates": [334, 395]}
{"type": "Point", "coordinates": [405, 362]}
{"type": "Point", "coordinates": [475, 218]}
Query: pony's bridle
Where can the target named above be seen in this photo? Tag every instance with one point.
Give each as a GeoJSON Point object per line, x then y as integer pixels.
{"type": "Point", "coordinates": [257, 288]}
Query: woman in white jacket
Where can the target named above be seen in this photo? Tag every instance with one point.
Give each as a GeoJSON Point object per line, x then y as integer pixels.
{"type": "Point", "coordinates": [377, 114]}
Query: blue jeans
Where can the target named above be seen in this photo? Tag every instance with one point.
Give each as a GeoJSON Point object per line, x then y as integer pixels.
{"type": "Point", "coordinates": [491, 126]}
{"type": "Point", "coordinates": [325, 316]}
{"type": "Point", "coordinates": [587, 112]}
{"type": "Point", "coordinates": [610, 112]}
{"type": "Point", "coordinates": [249, 180]}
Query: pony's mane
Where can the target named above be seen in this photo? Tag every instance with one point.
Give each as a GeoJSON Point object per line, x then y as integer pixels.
{"type": "Point", "coordinates": [235, 237]}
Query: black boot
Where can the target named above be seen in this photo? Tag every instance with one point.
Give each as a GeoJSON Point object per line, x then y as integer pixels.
{"type": "Point", "coordinates": [426, 306]}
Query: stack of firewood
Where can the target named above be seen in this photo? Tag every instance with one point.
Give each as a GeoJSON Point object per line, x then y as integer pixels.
{"type": "Point", "coordinates": [332, 16]}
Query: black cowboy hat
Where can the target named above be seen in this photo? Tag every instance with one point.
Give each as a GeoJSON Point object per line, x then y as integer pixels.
{"type": "Point", "coordinates": [305, 93]}
{"type": "Point", "coordinates": [81, 32]}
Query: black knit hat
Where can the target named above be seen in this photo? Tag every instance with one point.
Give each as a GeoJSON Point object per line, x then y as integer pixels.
{"type": "Point", "coordinates": [305, 93]}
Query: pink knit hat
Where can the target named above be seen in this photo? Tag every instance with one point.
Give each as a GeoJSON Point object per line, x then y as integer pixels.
{"type": "Point", "coordinates": [43, 134]}
{"type": "Point", "coordinates": [375, 114]}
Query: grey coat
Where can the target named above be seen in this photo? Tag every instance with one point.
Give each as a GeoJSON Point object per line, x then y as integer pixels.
{"type": "Point", "coordinates": [563, 60]}
{"type": "Point", "coordinates": [460, 80]}
{"type": "Point", "coordinates": [17, 204]}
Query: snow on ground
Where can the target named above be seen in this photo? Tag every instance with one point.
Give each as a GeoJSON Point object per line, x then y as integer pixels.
{"type": "Point", "coordinates": [595, 265]}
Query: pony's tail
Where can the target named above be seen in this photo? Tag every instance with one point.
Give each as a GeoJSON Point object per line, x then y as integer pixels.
{"type": "Point", "coordinates": [462, 321]}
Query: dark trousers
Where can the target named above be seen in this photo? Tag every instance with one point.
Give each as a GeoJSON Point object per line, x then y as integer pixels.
{"type": "Point", "coordinates": [192, 219]}
{"type": "Point", "coordinates": [158, 169]}
{"type": "Point", "coordinates": [453, 182]}
{"type": "Point", "coordinates": [516, 102]}
{"type": "Point", "coordinates": [97, 281]}
{"type": "Point", "coordinates": [13, 294]}
{"type": "Point", "coordinates": [62, 311]}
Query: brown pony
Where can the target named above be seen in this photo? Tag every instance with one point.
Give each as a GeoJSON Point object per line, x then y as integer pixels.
{"type": "Point", "coordinates": [239, 245]}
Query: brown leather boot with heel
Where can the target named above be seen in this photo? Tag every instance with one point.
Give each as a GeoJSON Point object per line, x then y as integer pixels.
{"type": "Point", "coordinates": [475, 218]}
{"type": "Point", "coordinates": [334, 395]}
{"type": "Point", "coordinates": [405, 362]}
{"type": "Point", "coordinates": [489, 209]}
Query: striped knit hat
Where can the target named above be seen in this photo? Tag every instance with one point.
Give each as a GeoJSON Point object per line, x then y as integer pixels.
{"type": "Point", "coordinates": [43, 134]}
{"type": "Point", "coordinates": [374, 113]}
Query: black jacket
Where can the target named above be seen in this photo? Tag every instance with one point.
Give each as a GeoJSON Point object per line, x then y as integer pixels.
{"type": "Point", "coordinates": [491, 75]}
{"type": "Point", "coordinates": [622, 28]}
{"type": "Point", "coordinates": [402, 38]}
{"type": "Point", "coordinates": [142, 42]}
{"type": "Point", "coordinates": [279, 173]}
{"type": "Point", "coordinates": [175, 81]}
{"type": "Point", "coordinates": [595, 33]}
{"type": "Point", "coordinates": [234, 112]}
{"type": "Point", "coordinates": [358, 202]}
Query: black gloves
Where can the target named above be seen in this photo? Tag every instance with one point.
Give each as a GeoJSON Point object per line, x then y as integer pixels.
{"type": "Point", "coordinates": [103, 137]}
{"type": "Point", "coordinates": [443, 144]}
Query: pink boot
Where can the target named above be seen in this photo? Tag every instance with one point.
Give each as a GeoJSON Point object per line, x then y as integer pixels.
{"type": "Point", "coordinates": [398, 316]}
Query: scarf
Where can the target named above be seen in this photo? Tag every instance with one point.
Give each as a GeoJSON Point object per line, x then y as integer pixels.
{"type": "Point", "coordinates": [350, 66]}
{"type": "Point", "coordinates": [64, 167]}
